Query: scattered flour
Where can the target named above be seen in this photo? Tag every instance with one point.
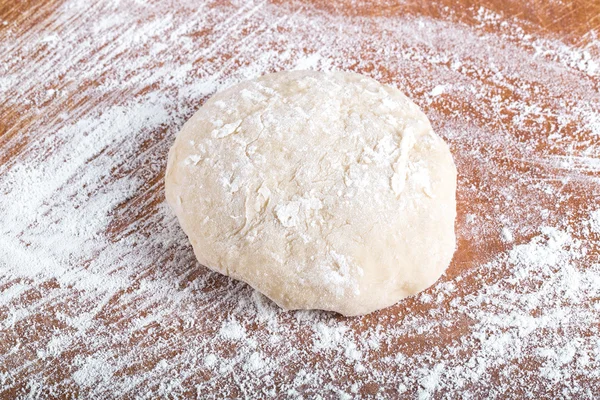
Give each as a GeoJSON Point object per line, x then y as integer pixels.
{"type": "Point", "coordinates": [100, 293]}
{"type": "Point", "coordinates": [507, 235]}
{"type": "Point", "coordinates": [595, 221]}
{"type": "Point", "coordinates": [438, 90]}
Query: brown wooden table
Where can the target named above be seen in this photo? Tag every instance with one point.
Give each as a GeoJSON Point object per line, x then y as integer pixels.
{"type": "Point", "coordinates": [100, 294]}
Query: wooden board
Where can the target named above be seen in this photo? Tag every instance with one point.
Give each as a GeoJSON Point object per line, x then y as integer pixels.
{"type": "Point", "coordinates": [101, 296]}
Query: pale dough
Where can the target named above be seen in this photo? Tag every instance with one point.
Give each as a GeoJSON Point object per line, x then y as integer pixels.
{"type": "Point", "coordinates": [321, 190]}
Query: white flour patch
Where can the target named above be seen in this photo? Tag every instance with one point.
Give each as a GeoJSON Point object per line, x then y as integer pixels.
{"type": "Point", "coordinates": [594, 221]}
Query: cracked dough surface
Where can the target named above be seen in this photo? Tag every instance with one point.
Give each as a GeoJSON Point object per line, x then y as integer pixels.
{"type": "Point", "coordinates": [321, 190]}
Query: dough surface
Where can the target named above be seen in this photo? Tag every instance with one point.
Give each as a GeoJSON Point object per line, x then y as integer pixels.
{"type": "Point", "coordinates": [321, 190]}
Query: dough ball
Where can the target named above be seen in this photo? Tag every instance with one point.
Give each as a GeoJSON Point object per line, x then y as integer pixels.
{"type": "Point", "coordinates": [321, 190]}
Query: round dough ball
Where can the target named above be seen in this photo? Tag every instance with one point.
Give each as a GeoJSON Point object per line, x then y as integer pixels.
{"type": "Point", "coordinates": [321, 190]}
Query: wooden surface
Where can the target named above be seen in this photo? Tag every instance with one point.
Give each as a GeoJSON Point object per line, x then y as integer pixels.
{"type": "Point", "coordinates": [519, 105]}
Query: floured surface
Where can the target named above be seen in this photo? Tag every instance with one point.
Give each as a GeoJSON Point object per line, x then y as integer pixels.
{"type": "Point", "coordinates": [100, 293]}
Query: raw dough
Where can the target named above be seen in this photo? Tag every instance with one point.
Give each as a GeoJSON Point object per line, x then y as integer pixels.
{"type": "Point", "coordinates": [321, 190]}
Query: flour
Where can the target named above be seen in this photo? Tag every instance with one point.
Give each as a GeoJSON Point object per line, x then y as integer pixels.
{"type": "Point", "coordinates": [438, 90]}
{"type": "Point", "coordinates": [594, 221]}
{"type": "Point", "coordinates": [507, 235]}
{"type": "Point", "coordinates": [232, 330]}
{"type": "Point", "coordinates": [100, 295]}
